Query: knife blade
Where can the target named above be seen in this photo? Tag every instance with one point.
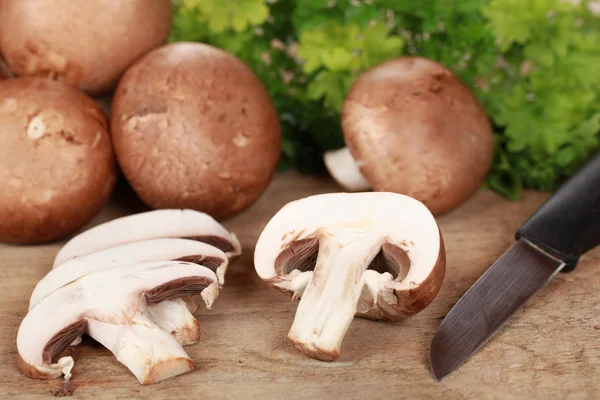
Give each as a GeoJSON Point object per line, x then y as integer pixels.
{"type": "Point", "coordinates": [566, 226]}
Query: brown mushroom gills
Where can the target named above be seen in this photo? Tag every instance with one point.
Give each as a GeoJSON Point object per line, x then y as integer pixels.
{"type": "Point", "coordinates": [177, 288]}
{"type": "Point", "coordinates": [216, 241]}
{"type": "Point", "coordinates": [302, 255]}
{"type": "Point", "coordinates": [57, 345]}
{"type": "Point", "coordinates": [211, 263]}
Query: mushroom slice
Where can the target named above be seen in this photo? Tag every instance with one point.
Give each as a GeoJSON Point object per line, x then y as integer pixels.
{"type": "Point", "coordinates": [374, 254]}
{"type": "Point", "coordinates": [175, 316]}
{"type": "Point", "coordinates": [184, 224]}
{"type": "Point", "coordinates": [111, 307]}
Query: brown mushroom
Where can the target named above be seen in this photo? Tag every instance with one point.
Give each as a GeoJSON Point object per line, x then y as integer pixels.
{"type": "Point", "coordinates": [56, 164]}
{"type": "Point", "coordinates": [412, 127]}
{"type": "Point", "coordinates": [193, 127]}
{"type": "Point", "coordinates": [88, 44]}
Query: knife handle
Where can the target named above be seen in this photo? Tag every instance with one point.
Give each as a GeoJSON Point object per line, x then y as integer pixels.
{"type": "Point", "coordinates": [568, 223]}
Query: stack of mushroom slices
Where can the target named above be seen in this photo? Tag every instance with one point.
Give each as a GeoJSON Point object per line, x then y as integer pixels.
{"type": "Point", "coordinates": [129, 284]}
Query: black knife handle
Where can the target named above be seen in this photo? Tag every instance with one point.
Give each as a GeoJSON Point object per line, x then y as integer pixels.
{"type": "Point", "coordinates": [568, 223]}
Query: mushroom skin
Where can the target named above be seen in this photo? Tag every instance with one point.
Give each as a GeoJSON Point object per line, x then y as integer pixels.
{"type": "Point", "coordinates": [87, 44]}
{"type": "Point", "coordinates": [413, 127]}
{"type": "Point", "coordinates": [374, 254]}
{"type": "Point", "coordinates": [193, 127]}
{"type": "Point", "coordinates": [57, 168]}
{"type": "Point", "coordinates": [111, 307]}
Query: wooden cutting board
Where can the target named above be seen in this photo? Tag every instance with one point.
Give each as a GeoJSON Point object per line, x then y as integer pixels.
{"type": "Point", "coordinates": [551, 349]}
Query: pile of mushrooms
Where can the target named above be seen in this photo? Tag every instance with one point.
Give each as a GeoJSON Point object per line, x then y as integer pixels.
{"type": "Point", "coordinates": [375, 255]}
{"type": "Point", "coordinates": [411, 126]}
{"type": "Point", "coordinates": [187, 119]}
{"type": "Point", "coordinates": [130, 285]}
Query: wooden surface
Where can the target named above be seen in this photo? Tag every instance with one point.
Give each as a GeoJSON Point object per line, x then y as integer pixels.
{"type": "Point", "coordinates": [551, 349]}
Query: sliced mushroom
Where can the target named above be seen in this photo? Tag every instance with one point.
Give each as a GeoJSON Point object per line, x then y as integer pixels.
{"type": "Point", "coordinates": [375, 254]}
{"type": "Point", "coordinates": [184, 224]}
{"type": "Point", "coordinates": [174, 316]}
{"type": "Point", "coordinates": [111, 306]}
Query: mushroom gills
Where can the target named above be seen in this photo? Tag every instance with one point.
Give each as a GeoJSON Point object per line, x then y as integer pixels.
{"type": "Point", "coordinates": [217, 241]}
{"type": "Point", "coordinates": [57, 345]}
{"type": "Point", "coordinates": [391, 259]}
{"type": "Point", "coordinates": [302, 254]}
{"type": "Point", "coordinates": [212, 263]}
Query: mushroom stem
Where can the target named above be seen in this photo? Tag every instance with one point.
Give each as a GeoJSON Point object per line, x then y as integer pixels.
{"type": "Point", "coordinates": [330, 299]}
{"type": "Point", "coordinates": [150, 353]}
{"type": "Point", "coordinates": [345, 170]}
{"type": "Point", "coordinates": [173, 316]}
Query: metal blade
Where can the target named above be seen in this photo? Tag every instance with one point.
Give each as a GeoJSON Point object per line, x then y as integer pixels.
{"type": "Point", "coordinates": [508, 284]}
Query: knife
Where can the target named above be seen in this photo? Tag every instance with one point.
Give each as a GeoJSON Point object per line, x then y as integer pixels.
{"type": "Point", "coordinates": [566, 226]}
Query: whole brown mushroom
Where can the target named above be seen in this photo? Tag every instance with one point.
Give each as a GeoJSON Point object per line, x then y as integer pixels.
{"type": "Point", "coordinates": [413, 127]}
{"type": "Point", "coordinates": [56, 164]}
{"type": "Point", "coordinates": [88, 44]}
{"type": "Point", "coordinates": [193, 127]}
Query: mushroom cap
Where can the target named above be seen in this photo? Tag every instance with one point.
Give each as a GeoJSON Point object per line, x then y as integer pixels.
{"type": "Point", "coordinates": [193, 127]}
{"type": "Point", "coordinates": [385, 218]}
{"type": "Point", "coordinates": [110, 296]}
{"type": "Point", "coordinates": [56, 164]}
{"type": "Point", "coordinates": [183, 224]}
{"type": "Point", "coordinates": [414, 128]}
{"type": "Point", "coordinates": [88, 44]}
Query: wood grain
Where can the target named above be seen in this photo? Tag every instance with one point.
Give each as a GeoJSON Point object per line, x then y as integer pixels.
{"type": "Point", "coordinates": [550, 349]}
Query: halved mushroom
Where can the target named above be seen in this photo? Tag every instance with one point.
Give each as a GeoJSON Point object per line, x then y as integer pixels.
{"type": "Point", "coordinates": [375, 254]}
{"type": "Point", "coordinates": [184, 224]}
{"type": "Point", "coordinates": [111, 307]}
{"type": "Point", "coordinates": [174, 316]}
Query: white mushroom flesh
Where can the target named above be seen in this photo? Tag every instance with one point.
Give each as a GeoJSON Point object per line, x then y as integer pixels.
{"type": "Point", "coordinates": [175, 316]}
{"type": "Point", "coordinates": [348, 254]}
{"type": "Point", "coordinates": [114, 300]}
